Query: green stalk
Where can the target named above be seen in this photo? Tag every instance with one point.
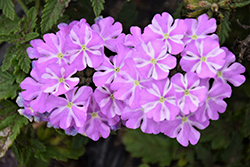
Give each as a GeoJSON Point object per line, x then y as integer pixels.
{"type": "Point", "coordinates": [23, 6]}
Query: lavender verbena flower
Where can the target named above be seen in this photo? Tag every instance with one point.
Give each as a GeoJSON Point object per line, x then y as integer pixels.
{"type": "Point", "coordinates": [152, 60]}
{"type": "Point", "coordinates": [109, 31]}
{"type": "Point", "coordinates": [158, 101]}
{"type": "Point", "coordinates": [54, 49]}
{"type": "Point", "coordinates": [135, 38]}
{"type": "Point", "coordinates": [183, 129]}
{"type": "Point", "coordinates": [188, 92]}
{"type": "Point", "coordinates": [231, 71]}
{"type": "Point", "coordinates": [110, 67]}
{"type": "Point", "coordinates": [204, 58]}
{"type": "Point", "coordinates": [85, 46]}
{"type": "Point", "coordinates": [97, 124]}
{"type": "Point", "coordinates": [127, 84]}
{"type": "Point", "coordinates": [162, 28]}
{"type": "Point", "coordinates": [108, 104]}
{"type": "Point", "coordinates": [66, 28]}
{"type": "Point", "coordinates": [70, 111]}
{"type": "Point", "coordinates": [133, 118]}
{"type": "Point", "coordinates": [199, 29]}
{"type": "Point", "coordinates": [214, 103]}
{"type": "Point", "coordinates": [32, 51]}
{"type": "Point", "coordinates": [33, 93]}
{"type": "Point", "coordinates": [57, 79]}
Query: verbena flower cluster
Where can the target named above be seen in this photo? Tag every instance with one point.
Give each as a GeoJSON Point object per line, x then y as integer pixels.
{"type": "Point", "coordinates": [172, 78]}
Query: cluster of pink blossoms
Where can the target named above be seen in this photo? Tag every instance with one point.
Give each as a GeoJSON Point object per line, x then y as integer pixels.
{"type": "Point", "coordinates": [139, 86]}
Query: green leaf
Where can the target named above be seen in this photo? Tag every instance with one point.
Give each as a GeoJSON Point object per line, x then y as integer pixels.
{"type": "Point", "coordinates": [149, 147]}
{"type": "Point", "coordinates": [97, 6]}
{"type": "Point", "coordinates": [53, 9]}
{"type": "Point", "coordinates": [10, 124]}
{"type": "Point", "coordinates": [238, 4]}
{"type": "Point", "coordinates": [8, 8]}
{"type": "Point", "coordinates": [8, 26]}
{"type": "Point", "coordinates": [205, 155]}
{"type": "Point", "coordinates": [8, 88]}
{"type": "Point", "coordinates": [10, 38]}
{"type": "Point", "coordinates": [224, 28]}
{"type": "Point", "coordinates": [11, 51]}
{"type": "Point", "coordinates": [23, 59]}
{"type": "Point", "coordinates": [127, 15]}
{"type": "Point", "coordinates": [29, 21]}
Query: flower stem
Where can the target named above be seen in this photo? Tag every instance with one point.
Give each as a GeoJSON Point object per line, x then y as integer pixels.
{"type": "Point", "coordinates": [23, 6]}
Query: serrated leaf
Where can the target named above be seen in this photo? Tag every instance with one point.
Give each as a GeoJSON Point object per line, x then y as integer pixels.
{"type": "Point", "coordinates": [240, 4]}
{"type": "Point", "coordinates": [10, 124]}
{"type": "Point", "coordinates": [11, 51]}
{"type": "Point", "coordinates": [51, 13]}
{"type": "Point", "coordinates": [6, 79]}
{"type": "Point", "coordinates": [9, 92]}
{"type": "Point", "coordinates": [29, 21]}
{"type": "Point", "coordinates": [23, 59]}
{"type": "Point", "coordinates": [8, 8]}
{"type": "Point", "coordinates": [224, 28]}
{"type": "Point", "coordinates": [20, 76]}
{"type": "Point", "coordinates": [149, 147]}
{"type": "Point", "coordinates": [8, 26]}
{"type": "Point", "coordinates": [97, 6]}
{"type": "Point", "coordinates": [10, 38]}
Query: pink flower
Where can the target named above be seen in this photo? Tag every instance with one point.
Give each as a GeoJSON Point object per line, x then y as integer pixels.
{"type": "Point", "coordinates": [158, 101]}
{"type": "Point", "coordinates": [85, 46]}
{"type": "Point", "coordinates": [188, 92]}
{"type": "Point", "coordinates": [183, 129]}
{"type": "Point", "coordinates": [70, 111]}
{"type": "Point", "coordinates": [110, 67]}
{"type": "Point", "coordinates": [97, 124]}
{"type": "Point", "coordinates": [199, 29]}
{"type": "Point", "coordinates": [162, 28]}
{"type": "Point", "coordinates": [110, 33]}
{"type": "Point", "coordinates": [214, 103]}
{"type": "Point", "coordinates": [57, 79]}
{"type": "Point", "coordinates": [108, 104]}
{"type": "Point", "coordinates": [152, 60]}
{"type": "Point", "coordinates": [231, 72]}
{"type": "Point", "coordinates": [204, 58]}
{"type": "Point", "coordinates": [133, 118]}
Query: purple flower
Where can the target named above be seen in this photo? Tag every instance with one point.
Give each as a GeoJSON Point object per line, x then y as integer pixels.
{"type": "Point", "coordinates": [86, 46]}
{"type": "Point", "coordinates": [127, 84]}
{"type": "Point", "coordinates": [188, 92]}
{"type": "Point", "coordinates": [162, 28]}
{"type": "Point", "coordinates": [214, 103]}
{"type": "Point", "coordinates": [135, 38]}
{"type": "Point", "coordinates": [32, 51]}
{"type": "Point", "coordinates": [110, 33]}
{"type": "Point", "coordinates": [97, 124]}
{"type": "Point", "coordinates": [158, 101]}
{"type": "Point", "coordinates": [33, 93]}
{"type": "Point", "coordinates": [53, 50]}
{"type": "Point", "coordinates": [71, 110]}
{"type": "Point", "coordinates": [231, 71]}
{"type": "Point", "coordinates": [204, 58]}
{"type": "Point", "coordinates": [152, 60]}
{"type": "Point", "coordinates": [133, 118]}
{"type": "Point", "coordinates": [108, 104]}
{"type": "Point", "coordinates": [183, 129]}
{"type": "Point", "coordinates": [110, 67]}
{"type": "Point", "coordinates": [57, 79]}
{"type": "Point", "coordinates": [199, 29]}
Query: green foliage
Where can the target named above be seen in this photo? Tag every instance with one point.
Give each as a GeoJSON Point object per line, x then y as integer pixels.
{"type": "Point", "coordinates": [127, 15]}
{"type": "Point", "coordinates": [8, 9]}
{"type": "Point", "coordinates": [8, 87]}
{"type": "Point", "coordinates": [53, 9]}
{"type": "Point", "coordinates": [46, 143]}
{"type": "Point", "coordinates": [151, 148]}
{"type": "Point", "coordinates": [240, 3]}
{"type": "Point", "coordinates": [97, 6]}
{"type": "Point", "coordinates": [224, 28]}
{"type": "Point", "coordinates": [10, 124]}
{"type": "Point", "coordinates": [8, 26]}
